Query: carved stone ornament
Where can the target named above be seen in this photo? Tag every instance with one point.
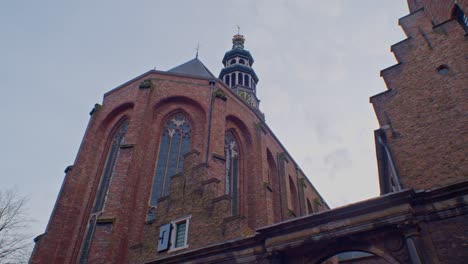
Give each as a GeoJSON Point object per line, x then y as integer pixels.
{"type": "Point", "coordinates": [146, 84]}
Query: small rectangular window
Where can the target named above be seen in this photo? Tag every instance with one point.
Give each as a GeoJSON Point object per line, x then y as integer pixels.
{"type": "Point", "coordinates": [179, 236]}
{"type": "Point", "coordinates": [181, 229]}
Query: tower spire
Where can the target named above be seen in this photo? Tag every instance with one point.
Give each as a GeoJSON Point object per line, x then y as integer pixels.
{"type": "Point", "coordinates": [238, 73]}
{"type": "Point", "coordinates": [197, 49]}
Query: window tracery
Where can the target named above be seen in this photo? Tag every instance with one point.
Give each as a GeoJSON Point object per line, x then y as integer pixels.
{"type": "Point", "coordinates": [175, 143]}
{"type": "Point", "coordinates": [231, 152]}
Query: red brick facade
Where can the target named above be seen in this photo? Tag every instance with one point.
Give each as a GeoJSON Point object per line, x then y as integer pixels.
{"type": "Point", "coordinates": [421, 151]}
{"type": "Point", "coordinates": [122, 233]}
{"type": "Point", "coordinates": [423, 112]}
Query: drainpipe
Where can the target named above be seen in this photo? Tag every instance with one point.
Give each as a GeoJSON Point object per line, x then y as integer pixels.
{"type": "Point", "coordinates": [210, 112]}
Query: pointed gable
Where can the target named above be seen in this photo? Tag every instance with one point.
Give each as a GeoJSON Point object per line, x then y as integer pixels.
{"type": "Point", "coordinates": [193, 67]}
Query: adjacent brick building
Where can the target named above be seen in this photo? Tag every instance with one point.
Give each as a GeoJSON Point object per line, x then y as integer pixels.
{"type": "Point", "coordinates": [180, 167]}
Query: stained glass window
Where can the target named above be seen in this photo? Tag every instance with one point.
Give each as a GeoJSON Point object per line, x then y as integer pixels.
{"type": "Point", "coordinates": [175, 142]}
{"type": "Point", "coordinates": [118, 138]}
{"type": "Point", "coordinates": [231, 153]}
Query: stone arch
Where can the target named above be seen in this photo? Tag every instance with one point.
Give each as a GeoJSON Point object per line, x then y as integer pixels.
{"type": "Point", "coordinates": [109, 121]}
{"type": "Point", "coordinates": [334, 249]}
{"type": "Point", "coordinates": [192, 109]}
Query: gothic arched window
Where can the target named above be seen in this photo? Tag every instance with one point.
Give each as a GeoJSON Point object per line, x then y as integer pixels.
{"type": "Point", "coordinates": [118, 138]}
{"type": "Point", "coordinates": [310, 210]}
{"type": "Point", "coordinates": [293, 192]}
{"type": "Point", "coordinates": [240, 78]}
{"type": "Point", "coordinates": [175, 142]}
{"type": "Point", "coordinates": [231, 152]}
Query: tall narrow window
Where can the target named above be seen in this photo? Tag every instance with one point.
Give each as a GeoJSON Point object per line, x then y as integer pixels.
{"type": "Point", "coordinates": [240, 79]}
{"type": "Point", "coordinates": [118, 138]}
{"type": "Point", "coordinates": [175, 142]}
{"type": "Point", "coordinates": [293, 192]}
{"type": "Point", "coordinates": [309, 207]}
{"type": "Point", "coordinates": [233, 79]}
{"type": "Point", "coordinates": [231, 152]}
{"type": "Point", "coordinates": [228, 80]}
{"type": "Point", "coordinates": [246, 80]}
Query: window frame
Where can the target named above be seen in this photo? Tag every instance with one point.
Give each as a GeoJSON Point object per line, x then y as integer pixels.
{"type": "Point", "coordinates": [174, 224]}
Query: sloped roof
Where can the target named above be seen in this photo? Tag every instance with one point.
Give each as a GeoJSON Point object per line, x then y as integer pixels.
{"type": "Point", "coordinates": [193, 67]}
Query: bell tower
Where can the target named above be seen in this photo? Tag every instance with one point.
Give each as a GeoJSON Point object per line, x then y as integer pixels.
{"type": "Point", "coordinates": [238, 73]}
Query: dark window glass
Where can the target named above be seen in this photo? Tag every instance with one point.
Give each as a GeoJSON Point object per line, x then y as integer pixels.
{"type": "Point", "coordinates": [240, 79]}
{"type": "Point", "coordinates": [228, 80]}
{"type": "Point", "coordinates": [231, 153]}
{"type": "Point", "coordinates": [175, 143]}
{"type": "Point", "coordinates": [246, 80]}
{"type": "Point", "coordinates": [233, 79]}
{"type": "Point", "coordinates": [233, 61]}
{"type": "Point", "coordinates": [461, 17]}
{"type": "Point", "coordinates": [241, 61]}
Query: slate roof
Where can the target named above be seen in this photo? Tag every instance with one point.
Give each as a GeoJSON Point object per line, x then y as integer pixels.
{"type": "Point", "coordinates": [193, 67]}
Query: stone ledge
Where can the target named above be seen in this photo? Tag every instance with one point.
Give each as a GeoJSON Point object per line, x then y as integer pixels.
{"type": "Point", "coordinates": [105, 220]}
{"type": "Point", "coordinates": [201, 165]}
{"type": "Point", "coordinates": [232, 218]}
{"type": "Point", "coordinates": [216, 156]}
{"type": "Point", "coordinates": [212, 180]}
{"type": "Point", "coordinates": [137, 246]}
{"type": "Point", "coordinates": [127, 146]}
{"type": "Point", "coordinates": [222, 197]}
{"type": "Point", "coordinates": [193, 151]}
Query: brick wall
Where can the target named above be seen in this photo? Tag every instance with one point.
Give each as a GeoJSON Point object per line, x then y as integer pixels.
{"type": "Point", "coordinates": [424, 110]}
{"type": "Point", "coordinates": [123, 233]}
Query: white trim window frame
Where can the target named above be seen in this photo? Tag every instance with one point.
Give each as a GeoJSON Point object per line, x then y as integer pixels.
{"type": "Point", "coordinates": [175, 224]}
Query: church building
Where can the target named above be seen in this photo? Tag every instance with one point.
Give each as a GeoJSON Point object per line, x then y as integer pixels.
{"type": "Point", "coordinates": [179, 166]}
{"type": "Point", "coordinates": [173, 161]}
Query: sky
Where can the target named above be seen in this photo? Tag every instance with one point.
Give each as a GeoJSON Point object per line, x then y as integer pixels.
{"type": "Point", "coordinates": [318, 64]}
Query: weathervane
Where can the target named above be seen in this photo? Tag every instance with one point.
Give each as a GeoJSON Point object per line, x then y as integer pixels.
{"type": "Point", "coordinates": [238, 30]}
{"type": "Point", "coordinates": [197, 49]}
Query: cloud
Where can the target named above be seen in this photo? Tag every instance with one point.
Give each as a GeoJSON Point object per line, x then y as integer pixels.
{"type": "Point", "coordinates": [338, 160]}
